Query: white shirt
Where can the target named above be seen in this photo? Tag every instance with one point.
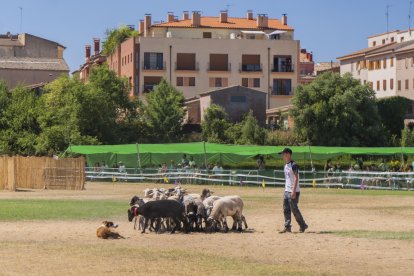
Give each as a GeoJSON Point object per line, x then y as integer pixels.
{"type": "Point", "coordinates": [290, 169]}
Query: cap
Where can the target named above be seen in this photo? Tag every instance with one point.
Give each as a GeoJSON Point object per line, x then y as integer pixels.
{"type": "Point", "coordinates": [286, 150]}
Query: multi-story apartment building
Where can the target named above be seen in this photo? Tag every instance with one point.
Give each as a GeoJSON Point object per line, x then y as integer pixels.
{"type": "Point", "coordinates": [200, 53]}
{"type": "Point", "coordinates": [387, 64]}
{"type": "Point", "coordinates": [30, 60]}
{"type": "Point", "coordinates": [91, 60]}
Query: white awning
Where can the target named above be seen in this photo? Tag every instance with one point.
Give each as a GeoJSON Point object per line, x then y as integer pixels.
{"type": "Point", "coordinates": [277, 32]}
{"type": "Point", "coordinates": [253, 32]}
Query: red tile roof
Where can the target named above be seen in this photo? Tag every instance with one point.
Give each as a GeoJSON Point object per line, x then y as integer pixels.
{"type": "Point", "coordinates": [232, 23]}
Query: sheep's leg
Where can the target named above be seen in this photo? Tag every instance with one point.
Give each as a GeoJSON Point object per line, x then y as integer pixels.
{"type": "Point", "coordinates": [225, 227]}
{"type": "Point", "coordinates": [135, 223]}
{"type": "Point", "coordinates": [235, 221]}
{"type": "Point", "coordinates": [145, 225]}
{"type": "Point", "coordinates": [141, 222]}
{"type": "Point", "coordinates": [244, 220]}
{"type": "Point", "coordinates": [177, 222]}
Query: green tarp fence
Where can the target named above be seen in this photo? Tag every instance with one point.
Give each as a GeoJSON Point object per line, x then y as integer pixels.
{"type": "Point", "coordinates": [143, 155]}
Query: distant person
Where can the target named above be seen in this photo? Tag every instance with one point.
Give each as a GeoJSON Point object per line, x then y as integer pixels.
{"type": "Point", "coordinates": [164, 168]}
{"type": "Point", "coordinates": [121, 168]}
{"type": "Point", "coordinates": [218, 169]}
{"type": "Point", "coordinates": [192, 163]}
{"type": "Point", "coordinates": [261, 164]}
{"type": "Point", "coordinates": [292, 193]}
{"type": "Point", "coordinates": [184, 161]}
{"type": "Point", "coordinates": [172, 165]}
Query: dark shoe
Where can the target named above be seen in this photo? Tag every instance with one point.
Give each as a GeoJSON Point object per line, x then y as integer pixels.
{"type": "Point", "coordinates": [303, 229]}
{"type": "Point", "coordinates": [286, 230]}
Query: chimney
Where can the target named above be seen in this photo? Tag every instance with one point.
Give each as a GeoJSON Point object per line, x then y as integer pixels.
{"type": "Point", "coordinates": [311, 56]}
{"type": "Point", "coordinates": [186, 15]}
{"type": "Point", "coordinates": [87, 52]}
{"type": "Point", "coordinates": [196, 20]}
{"type": "Point", "coordinates": [223, 16]}
{"type": "Point", "coordinates": [96, 45]}
{"type": "Point", "coordinates": [147, 24]}
{"type": "Point", "coordinates": [250, 14]}
{"type": "Point", "coordinates": [170, 17]}
{"type": "Point", "coordinates": [141, 27]}
{"type": "Point", "coordinates": [284, 19]}
{"type": "Point", "coordinates": [262, 21]}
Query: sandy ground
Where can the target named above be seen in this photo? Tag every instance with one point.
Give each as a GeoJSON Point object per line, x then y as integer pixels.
{"type": "Point", "coordinates": [71, 247]}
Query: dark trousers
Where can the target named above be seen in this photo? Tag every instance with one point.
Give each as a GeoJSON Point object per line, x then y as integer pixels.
{"type": "Point", "coordinates": [291, 206]}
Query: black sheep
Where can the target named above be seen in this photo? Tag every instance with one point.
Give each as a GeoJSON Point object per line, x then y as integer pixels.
{"type": "Point", "coordinates": [153, 210]}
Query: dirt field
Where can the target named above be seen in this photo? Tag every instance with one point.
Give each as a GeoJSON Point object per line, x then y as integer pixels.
{"type": "Point", "coordinates": [331, 246]}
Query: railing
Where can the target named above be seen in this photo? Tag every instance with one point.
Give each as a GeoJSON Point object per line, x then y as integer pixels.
{"type": "Point", "coordinates": [213, 68]}
{"type": "Point", "coordinates": [148, 87]}
{"type": "Point", "coordinates": [289, 68]}
{"type": "Point", "coordinates": [262, 178]}
{"type": "Point", "coordinates": [152, 67]}
{"type": "Point", "coordinates": [286, 93]}
{"type": "Point", "coordinates": [251, 68]}
{"type": "Point", "coordinates": [187, 68]}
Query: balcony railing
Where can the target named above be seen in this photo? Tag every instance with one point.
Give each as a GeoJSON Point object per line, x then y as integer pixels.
{"type": "Point", "coordinates": [159, 67]}
{"type": "Point", "coordinates": [286, 92]}
{"type": "Point", "coordinates": [148, 87]}
{"type": "Point", "coordinates": [251, 68]}
{"type": "Point", "coordinates": [193, 67]}
{"type": "Point", "coordinates": [219, 69]}
{"type": "Point", "coordinates": [288, 68]}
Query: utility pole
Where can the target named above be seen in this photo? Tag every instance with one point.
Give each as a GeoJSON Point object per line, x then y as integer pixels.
{"type": "Point", "coordinates": [409, 17]}
{"type": "Point", "coordinates": [388, 18]}
{"type": "Point", "coordinates": [21, 19]}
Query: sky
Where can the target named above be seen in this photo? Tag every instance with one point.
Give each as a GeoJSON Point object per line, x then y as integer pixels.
{"type": "Point", "coordinates": [328, 28]}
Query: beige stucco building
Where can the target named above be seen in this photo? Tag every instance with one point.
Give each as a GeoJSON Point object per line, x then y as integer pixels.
{"type": "Point", "coordinates": [200, 53]}
{"type": "Point", "coordinates": [387, 64]}
{"type": "Point", "coordinates": [27, 60]}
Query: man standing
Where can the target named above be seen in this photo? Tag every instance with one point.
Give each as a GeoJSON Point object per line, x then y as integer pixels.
{"type": "Point", "coordinates": [292, 193]}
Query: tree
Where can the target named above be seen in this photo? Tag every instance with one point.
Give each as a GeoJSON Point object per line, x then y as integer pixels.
{"type": "Point", "coordinates": [62, 105]}
{"type": "Point", "coordinates": [19, 119]}
{"type": "Point", "coordinates": [247, 132]}
{"type": "Point", "coordinates": [337, 110]}
{"type": "Point", "coordinates": [392, 111]}
{"type": "Point", "coordinates": [115, 37]}
{"type": "Point", "coordinates": [214, 124]}
{"type": "Point", "coordinates": [407, 137]}
{"type": "Point", "coordinates": [165, 113]}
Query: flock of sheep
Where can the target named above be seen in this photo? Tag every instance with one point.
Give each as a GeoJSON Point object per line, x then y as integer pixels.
{"type": "Point", "coordinates": [173, 209]}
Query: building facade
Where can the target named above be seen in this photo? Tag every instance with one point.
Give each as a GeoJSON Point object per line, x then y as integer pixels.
{"type": "Point", "coordinates": [91, 60]}
{"type": "Point", "coordinates": [387, 64]}
{"type": "Point", "coordinates": [201, 53]}
{"type": "Point", "coordinates": [28, 60]}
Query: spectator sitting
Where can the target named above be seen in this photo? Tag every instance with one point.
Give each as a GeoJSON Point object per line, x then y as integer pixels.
{"type": "Point", "coordinates": [121, 168]}
{"type": "Point", "coordinates": [172, 165]}
{"type": "Point", "coordinates": [218, 169]}
{"type": "Point", "coordinates": [164, 168]}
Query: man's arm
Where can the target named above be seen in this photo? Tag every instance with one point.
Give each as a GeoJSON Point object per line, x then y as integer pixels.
{"type": "Point", "coordinates": [295, 170]}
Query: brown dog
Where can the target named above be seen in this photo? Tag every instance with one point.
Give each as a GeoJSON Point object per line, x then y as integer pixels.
{"type": "Point", "coordinates": [105, 231]}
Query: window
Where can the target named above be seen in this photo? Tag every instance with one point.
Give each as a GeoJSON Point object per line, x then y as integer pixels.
{"type": "Point", "coordinates": [282, 87]}
{"type": "Point", "coordinates": [180, 81]}
{"type": "Point", "coordinates": [378, 85]}
{"type": "Point", "coordinates": [407, 84]}
{"type": "Point", "coordinates": [399, 85]}
{"type": "Point", "coordinates": [392, 39]}
{"type": "Point", "coordinates": [186, 61]}
{"type": "Point", "coordinates": [251, 63]}
{"type": "Point", "coordinates": [371, 85]}
{"type": "Point", "coordinates": [384, 85]}
{"type": "Point", "coordinates": [245, 82]}
{"type": "Point", "coordinates": [256, 82]}
{"type": "Point", "coordinates": [402, 39]}
{"type": "Point", "coordinates": [150, 83]}
{"type": "Point", "coordinates": [191, 81]}
{"type": "Point", "coordinates": [185, 81]}
{"type": "Point", "coordinates": [384, 63]}
{"type": "Point", "coordinates": [153, 61]}
{"type": "Point", "coordinates": [383, 41]}
{"type": "Point", "coordinates": [391, 62]}
{"type": "Point", "coordinates": [238, 99]}
{"type": "Point", "coordinates": [284, 64]}
{"type": "Point", "coordinates": [218, 82]}
{"type": "Point", "coordinates": [392, 84]}
{"type": "Point", "coordinates": [207, 35]}
{"type": "Point", "coordinates": [374, 43]}
{"type": "Point", "coordinates": [219, 62]}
